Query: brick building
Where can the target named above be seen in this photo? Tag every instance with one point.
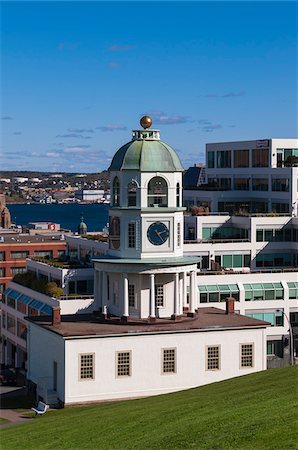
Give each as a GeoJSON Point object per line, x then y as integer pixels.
{"type": "Point", "coordinates": [15, 248]}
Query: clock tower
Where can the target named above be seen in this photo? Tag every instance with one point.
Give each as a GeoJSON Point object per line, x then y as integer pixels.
{"type": "Point", "coordinates": [146, 232]}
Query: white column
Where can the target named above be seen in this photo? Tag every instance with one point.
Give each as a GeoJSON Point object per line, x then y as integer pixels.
{"type": "Point", "coordinates": [96, 292]}
{"type": "Point", "coordinates": [104, 291]}
{"type": "Point", "coordinates": [192, 292]}
{"type": "Point", "coordinates": [184, 291]}
{"type": "Point", "coordinates": [152, 295]}
{"type": "Point", "coordinates": [176, 294]}
{"type": "Point", "coordinates": [125, 295]}
{"type": "Point", "coordinates": [181, 294]}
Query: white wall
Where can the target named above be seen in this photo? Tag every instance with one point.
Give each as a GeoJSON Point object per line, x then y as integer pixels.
{"type": "Point", "coordinates": [146, 352]}
{"type": "Point", "coordinates": [147, 377]}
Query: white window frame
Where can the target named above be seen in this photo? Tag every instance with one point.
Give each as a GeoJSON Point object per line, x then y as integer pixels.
{"type": "Point", "coordinates": [159, 296]}
{"type": "Point", "coordinates": [81, 355]}
{"type": "Point", "coordinates": [178, 234]}
{"type": "Point", "coordinates": [132, 295]}
{"type": "Point", "coordinates": [242, 366]}
{"type": "Point", "coordinates": [119, 364]}
{"type": "Point", "coordinates": [211, 358]}
{"type": "Point", "coordinates": [131, 235]}
{"type": "Point", "coordinates": [163, 361]}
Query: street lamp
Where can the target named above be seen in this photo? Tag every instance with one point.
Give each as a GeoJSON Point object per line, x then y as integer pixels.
{"type": "Point", "coordinates": [291, 336]}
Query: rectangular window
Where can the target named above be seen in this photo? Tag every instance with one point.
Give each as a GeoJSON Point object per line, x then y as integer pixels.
{"type": "Point", "coordinates": [260, 157]}
{"type": "Point", "coordinates": [22, 330]}
{"type": "Point", "coordinates": [159, 297]}
{"type": "Point", "coordinates": [11, 302]}
{"type": "Point", "coordinates": [18, 255]}
{"type": "Point", "coordinates": [131, 235]}
{"type": "Point", "coordinates": [2, 272]}
{"type": "Point", "coordinates": [2, 256]}
{"type": "Point", "coordinates": [280, 184]}
{"type": "Point", "coordinates": [123, 364]}
{"type": "Point", "coordinates": [210, 160]}
{"type": "Point", "coordinates": [43, 253]}
{"type": "Point", "coordinates": [178, 234]}
{"type": "Point", "coordinates": [169, 360]}
{"type": "Point", "coordinates": [11, 324]}
{"type": "Point", "coordinates": [131, 296]}
{"type": "Point", "coordinates": [22, 308]}
{"type": "Point", "coordinates": [213, 357]}
{"type": "Point", "coordinates": [223, 159]}
{"type": "Point", "coordinates": [3, 319]}
{"type": "Point", "coordinates": [87, 366]}
{"type": "Point", "coordinates": [260, 184]}
{"type": "Point", "coordinates": [15, 270]}
{"type": "Point", "coordinates": [247, 355]}
{"type": "Point", "coordinates": [241, 158]}
{"type": "Point", "coordinates": [241, 184]}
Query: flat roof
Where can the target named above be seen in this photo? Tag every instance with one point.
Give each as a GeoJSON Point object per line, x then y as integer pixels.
{"type": "Point", "coordinates": [88, 325]}
{"type": "Point", "coordinates": [17, 238]}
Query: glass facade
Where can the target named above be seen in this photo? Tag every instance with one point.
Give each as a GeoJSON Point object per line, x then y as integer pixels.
{"type": "Point", "coordinates": [275, 317]}
{"type": "Point", "coordinates": [241, 184]}
{"type": "Point", "coordinates": [277, 235]}
{"type": "Point", "coordinates": [243, 207]}
{"type": "Point", "coordinates": [260, 157]}
{"type": "Point", "coordinates": [293, 290]}
{"type": "Point", "coordinates": [280, 184]}
{"type": "Point", "coordinates": [233, 261]}
{"type": "Point", "coordinates": [287, 157]}
{"type": "Point", "coordinates": [263, 291]}
{"type": "Point", "coordinates": [213, 233]}
{"type": "Point", "coordinates": [280, 207]}
{"type": "Point", "coordinates": [276, 260]}
{"type": "Point", "coordinates": [223, 159]}
{"type": "Point", "coordinates": [223, 184]}
{"type": "Point", "coordinates": [241, 158]}
{"type": "Point", "coordinates": [218, 292]}
{"type": "Point", "coordinates": [210, 160]}
{"type": "Point", "coordinates": [260, 184]}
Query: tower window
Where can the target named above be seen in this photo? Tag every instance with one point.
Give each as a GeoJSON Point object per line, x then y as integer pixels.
{"type": "Point", "coordinates": [131, 296]}
{"type": "Point", "coordinates": [131, 235]}
{"type": "Point", "coordinates": [132, 194]}
{"type": "Point", "coordinates": [116, 192]}
{"type": "Point", "coordinates": [178, 195]}
{"type": "Point", "coordinates": [178, 234]}
{"type": "Point", "coordinates": [157, 192]}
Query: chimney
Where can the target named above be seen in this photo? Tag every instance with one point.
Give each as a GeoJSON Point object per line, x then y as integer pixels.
{"type": "Point", "coordinates": [56, 316]}
{"type": "Point", "coordinates": [230, 305]}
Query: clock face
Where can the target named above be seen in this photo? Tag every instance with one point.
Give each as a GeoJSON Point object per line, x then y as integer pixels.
{"type": "Point", "coordinates": [158, 233]}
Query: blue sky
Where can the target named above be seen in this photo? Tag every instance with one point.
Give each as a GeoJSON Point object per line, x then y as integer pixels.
{"type": "Point", "coordinates": [77, 76]}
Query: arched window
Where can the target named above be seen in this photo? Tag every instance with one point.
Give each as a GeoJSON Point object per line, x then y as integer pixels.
{"type": "Point", "coordinates": [157, 192]}
{"type": "Point", "coordinates": [116, 192]}
{"type": "Point", "coordinates": [132, 194]}
{"type": "Point", "coordinates": [178, 195]}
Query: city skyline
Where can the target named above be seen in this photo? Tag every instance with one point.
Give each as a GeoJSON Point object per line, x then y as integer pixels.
{"type": "Point", "coordinates": [77, 77]}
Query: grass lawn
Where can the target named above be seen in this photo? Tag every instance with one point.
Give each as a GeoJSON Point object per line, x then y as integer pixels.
{"type": "Point", "coordinates": [257, 412]}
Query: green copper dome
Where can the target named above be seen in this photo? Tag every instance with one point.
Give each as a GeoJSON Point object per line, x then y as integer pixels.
{"type": "Point", "coordinates": [146, 156]}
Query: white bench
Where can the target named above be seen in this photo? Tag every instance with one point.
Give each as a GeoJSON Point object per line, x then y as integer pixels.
{"type": "Point", "coordinates": [41, 408]}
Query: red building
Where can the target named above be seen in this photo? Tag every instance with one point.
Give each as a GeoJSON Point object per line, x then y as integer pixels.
{"type": "Point", "coordinates": [15, 248]}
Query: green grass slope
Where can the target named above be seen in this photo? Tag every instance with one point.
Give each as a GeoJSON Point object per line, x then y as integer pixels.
{"type": "Point", "coordinates": [257, 411]}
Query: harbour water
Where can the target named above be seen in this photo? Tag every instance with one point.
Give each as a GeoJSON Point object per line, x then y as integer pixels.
{"type": "Point", "coordinates": [68, 215]}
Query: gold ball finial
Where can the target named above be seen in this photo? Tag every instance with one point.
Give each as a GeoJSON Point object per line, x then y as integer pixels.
{"type": "Point", "coordinates": [146, 122]}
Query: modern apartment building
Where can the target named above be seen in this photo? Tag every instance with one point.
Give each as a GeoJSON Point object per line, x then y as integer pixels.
{"type": "Point", "coordinates": [258, 176]}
